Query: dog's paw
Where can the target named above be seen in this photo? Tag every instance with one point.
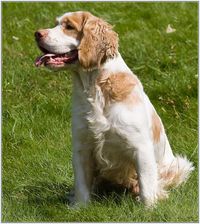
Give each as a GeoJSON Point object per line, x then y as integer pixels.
{"type": "Point", "coordinates": [73, 203]}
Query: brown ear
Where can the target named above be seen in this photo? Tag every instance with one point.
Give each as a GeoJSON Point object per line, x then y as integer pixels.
{"type": "Point", "coordinates": [99, 42]}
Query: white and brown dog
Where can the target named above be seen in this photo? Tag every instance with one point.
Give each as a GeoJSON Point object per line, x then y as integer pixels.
{"type": "Point", "coordinates": [116, 133]}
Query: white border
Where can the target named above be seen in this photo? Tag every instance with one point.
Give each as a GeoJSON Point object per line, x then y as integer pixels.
{"type": "Point", "coordinates": [85, 2]}
{"type": "Point", "coordinates": [100, 1]}
{"type": "Point", "coordinates": [1, 111]}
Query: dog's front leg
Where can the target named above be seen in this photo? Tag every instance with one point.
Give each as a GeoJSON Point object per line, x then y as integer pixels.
{"type": "Point", "coordinates": [83, 172]}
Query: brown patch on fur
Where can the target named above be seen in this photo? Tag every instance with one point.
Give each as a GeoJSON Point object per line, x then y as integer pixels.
{"type": "Point", "coordinates": [99, 42]}
{"type": "Point", "coordinates": [156, 127]}
{"type": "Point", "coordinates": [135, 189]}
{"type": "Point", "coordinates": [73, 24]}
{"type": "Point", "coordinates": [172, 178]}
{"type": "Point", "coordinates": [118, 87]}
{"type": "Point", "coordinates": [97, 39]}
{"type": "Point", "coordinates": [126, 179]}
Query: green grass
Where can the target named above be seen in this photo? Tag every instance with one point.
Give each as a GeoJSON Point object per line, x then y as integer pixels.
{"type": "Point", "coordinates": [37, 172]}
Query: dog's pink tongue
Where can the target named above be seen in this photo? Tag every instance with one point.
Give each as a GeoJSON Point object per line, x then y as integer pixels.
{"type": "Point", "coordinates": [40, 60]}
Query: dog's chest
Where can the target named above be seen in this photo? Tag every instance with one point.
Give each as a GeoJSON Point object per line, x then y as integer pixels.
{"type": "Point", "coordinates": [110, 143]}
{"type": "Point", "coordinates": [91, 114]}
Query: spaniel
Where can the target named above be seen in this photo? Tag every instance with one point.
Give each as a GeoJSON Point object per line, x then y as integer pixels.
{"type": "Point", "coordinates": [116, 133]}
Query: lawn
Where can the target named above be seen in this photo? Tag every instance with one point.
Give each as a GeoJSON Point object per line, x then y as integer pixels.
{"type": "Point", "coordinates": [36, 164]}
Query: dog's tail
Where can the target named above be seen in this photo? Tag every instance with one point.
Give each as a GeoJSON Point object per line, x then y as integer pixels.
{"type": "Point", "coordinates": [175, 173]}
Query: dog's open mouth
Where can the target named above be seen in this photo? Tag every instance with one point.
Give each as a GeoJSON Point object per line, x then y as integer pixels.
{"type": "Point", "coordinates": [56, 60]}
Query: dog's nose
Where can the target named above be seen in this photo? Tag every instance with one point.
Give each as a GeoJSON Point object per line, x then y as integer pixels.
{"type": "Point", "coordinates": [40, 34]}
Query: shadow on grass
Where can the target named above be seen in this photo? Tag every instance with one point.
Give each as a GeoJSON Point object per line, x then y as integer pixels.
{"type": "Point", "coordinates": [47, 193]}
{"type": "Point", "coordinates": [108, 191]}
{"type": "Point", "coordinates": [58, 193]}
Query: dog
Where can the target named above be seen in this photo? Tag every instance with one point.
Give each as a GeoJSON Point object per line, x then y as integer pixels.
{"type": "Point", "coordinates": [117, 134]}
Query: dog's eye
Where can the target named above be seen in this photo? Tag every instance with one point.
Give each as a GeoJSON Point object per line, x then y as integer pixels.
{"type": "Point", "coordinates": [69, 27]}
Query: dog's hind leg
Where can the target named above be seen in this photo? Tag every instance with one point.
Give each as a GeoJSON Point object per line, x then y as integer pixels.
{"type": "Point", "coordinates": [146, 168]}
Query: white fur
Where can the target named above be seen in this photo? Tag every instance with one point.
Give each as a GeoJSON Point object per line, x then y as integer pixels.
{"type": "Point", "coordinates": [58, 42]}
{"type": "Point", "coordinates": [116, 138]}
{"type": "Point", "coordinates": [121, 139]}
{"type": "Point", "coordinates": [59, 19]}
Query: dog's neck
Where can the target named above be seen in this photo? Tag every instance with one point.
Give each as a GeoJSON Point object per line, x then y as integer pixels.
{"type": "Point", "coordinates": [85, 79]}
{"type": "Point", "coordinates": [116, 65]}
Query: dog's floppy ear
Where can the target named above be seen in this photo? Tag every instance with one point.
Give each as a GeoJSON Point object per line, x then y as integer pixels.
{"type": "Point", "coordinates": [99, 42]}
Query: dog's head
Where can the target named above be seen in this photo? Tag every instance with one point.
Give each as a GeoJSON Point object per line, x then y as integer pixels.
{"type": "Point", "coordinates": [78, 38]}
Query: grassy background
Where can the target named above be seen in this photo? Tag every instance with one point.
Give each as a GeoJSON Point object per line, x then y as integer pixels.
{"type": "Point", "coordinates": [37, 172]}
